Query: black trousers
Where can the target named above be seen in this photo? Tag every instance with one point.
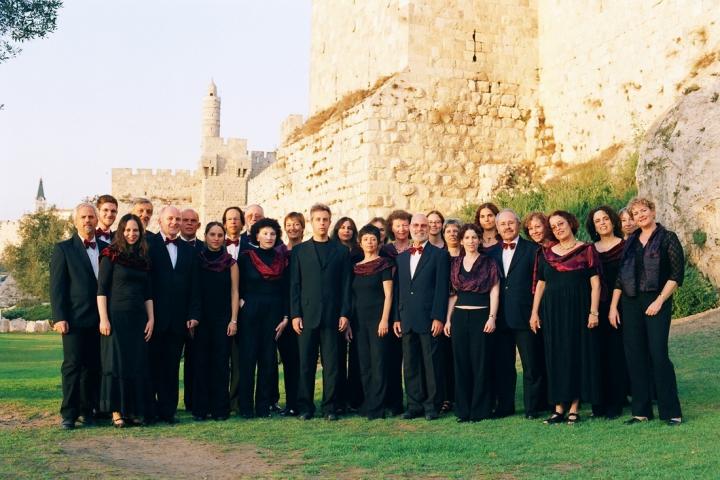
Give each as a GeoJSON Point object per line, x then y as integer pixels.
{"type": "Point", "coordinates": [350, 389]}
{"type": "Point", "coordinates": [447, 390]}
{"type": "Point", "coordinates": [258, 361]}
{"type": "Point", "coordinates": [422, 366]}
{"type": "Point", "coordinates": [532, 356]}
{"type": "Point", "coordinates": [165, 353]}
{"type": "Point", "coordinates": [504, 376]}
{"type": "Point", "coordinates": [188, 373]}
{"type": "Point", "coordinates": [471, 350]}
{"type": "Point", "coordinates": [235, 368]}
{"type": "Point", "coordinates": [80, 372]}
{"type": "Point", "coordinates": [210, 365]}
{"type": "Point", "coordinates": [394, 373]}
{"type": "Point", "coordinates": [648, 361]}
{"type": "Point", "coordinates": [326, 340]}
{"type": "Point", "coordinates": [371, 352]}
{"type": "Point", "coordinates": [287, 346]}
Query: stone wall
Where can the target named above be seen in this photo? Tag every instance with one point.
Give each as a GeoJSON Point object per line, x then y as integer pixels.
{"type": "Point", "coordinates": [608, 68]}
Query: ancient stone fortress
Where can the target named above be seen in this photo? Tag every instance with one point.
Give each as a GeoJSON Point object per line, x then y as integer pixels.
{"type": "Point", "coordinates": [221, 179]}
{"type": "Point", "coordinates": [422, 104]}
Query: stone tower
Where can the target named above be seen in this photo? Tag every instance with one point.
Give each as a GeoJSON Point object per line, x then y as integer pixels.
{"type": "Point", "coordinates": [40, 201]}
{"type": "Point", "coordinates": [211, 113]}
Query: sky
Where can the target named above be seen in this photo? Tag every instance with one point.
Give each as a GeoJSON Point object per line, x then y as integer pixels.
{"type": "Point", "coordinates": [120, 85]}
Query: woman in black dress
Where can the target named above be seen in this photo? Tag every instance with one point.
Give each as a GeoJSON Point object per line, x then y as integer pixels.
{"type": "Point", "coordinates": [603, 225]}
{"type": "Point", "coordinates": [126, 324]}
{"type": "Point", "coordinates": [263, 315]}
{"type": "Point", "coordinates": [451, 236]}
{"type": "Point", "coordinates": [566, 303]}
{"type": "Point", "coordinates": [372, 299]}
{"type": "Point", "coordinates": [652, 268]}
{"type": "Point", "coordinates": [219, 280]}
{"type": "Point", "coordinates": [472, 308]}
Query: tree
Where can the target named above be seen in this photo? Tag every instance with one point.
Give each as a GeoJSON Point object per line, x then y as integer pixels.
{"type": "Point", "coordinates": [29, 262]}
{"type": "Point", "coordinates": [23, 20]}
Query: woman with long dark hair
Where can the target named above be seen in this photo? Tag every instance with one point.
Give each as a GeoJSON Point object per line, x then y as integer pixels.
{"type": "Point", "coordinates": [472, 308]}
{"type": "Point", "coordinates": [485, 219]}
{"type": "Point", "coordinates": [603, 226]}
{"type": "Point", "coordinates": [345, 231]}
{"type": "Point", "coordinates": [126, 324]}
{"type": "Point", "coordinates": [219, 280]}
{"type": "Point", "coordinates": [652, 268]}
{"type": "Point", "coordinates": [566, 303]}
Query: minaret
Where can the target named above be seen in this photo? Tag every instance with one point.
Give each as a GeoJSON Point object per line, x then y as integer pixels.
{"type": "Point", "coordinates": [40, 202]}
{"type": "Point", "coordinates": [211, 113]}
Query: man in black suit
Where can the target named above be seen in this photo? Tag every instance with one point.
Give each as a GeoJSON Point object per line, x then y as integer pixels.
{"type": "Point", "coordinates": [173, 265]}
{"type": "Point", "coordinates": [422, 288]}
{"type": "Point", "coordinates": [516, 298]}
{"type": "Point", "coordinates": [189, 225]}
{"type": "Point", "coordinates": [320, 302]}
{"type": "Point", "coordinates": [73, 296]}
{"type": "Point", "coordinates": [143, 209]}
{"type": "Point", "coordinates": [107, 208]}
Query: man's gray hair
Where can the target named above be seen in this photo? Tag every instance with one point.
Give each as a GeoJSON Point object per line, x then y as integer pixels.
{"type": "Point", "coordinates": [140, 201]}
{"type": "Point", "coordinates": [508, 210]}
{"type": "Point", "coordinates": [81, 205]}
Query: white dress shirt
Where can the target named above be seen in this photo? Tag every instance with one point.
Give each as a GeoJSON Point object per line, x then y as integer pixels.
{"type": "Point", "coordinates": [172, 250]}
{"type": "Point", "coordinates": [93, 254]}
{"type": "Point", "coordinates": [233, 249]}
{"type": "Point", "coordinates": [507, 254]}
{"type": "Point", "coordinates": [415, 259]}
{"type": "Point", "coordinates": [105, 236]}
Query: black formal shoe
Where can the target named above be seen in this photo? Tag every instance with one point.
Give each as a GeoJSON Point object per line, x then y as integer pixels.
{"type": "Point", "coordinates": [264, 414]}
{"type": "Point", "coordinates": [68, 424]}
{"type": "Point", "coordinates": [220, 418]}
{"type": "Point", "coordinates": [199, 418]}
{"type": "Point", "coordinates": [555, 418]}
{"type": "Point", "coordinates": [635, 420]}
{"type": "Point", "coordinates": [532, 416]}
{"type": "Point", "coordinates": [288, 412]}
{"type": "Point", "coordinates": [275, 408]}
{"type": "Point", "coordinates": [431, 416]}
{"type": "Point", "coordinates": [331, 417]}
{"type": "Point", "coordinates": [674, 422]}
{"type": "Point", "coordinates": [409, 415]}
{"type": "Point", "coordinates": [501, 414]}
{"type": "Point", "coordinates": [462, 420]}
{"type": "Point", "coordinates": [376, 416]}
{"type": "Point", "coordinates": [247, 415]}
{"type": "Point", "coordinates": [305, 416]}
{"type": "Point", "coordinates": [394, 412]}
{"type": "Point", "coordinates": [169, 420]}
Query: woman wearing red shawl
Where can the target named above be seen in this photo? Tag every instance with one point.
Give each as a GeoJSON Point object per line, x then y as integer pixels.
{"type": "Point", "coordinates": [218, 310]}
{"type": "Point", "coordinates": [604, 227]}
{"type": "Point", "coordinates": [263, 316]}
{"type": "Point", "coordinates": [472, 308]}
{"type": "Point", "coordinates": [566, 303]}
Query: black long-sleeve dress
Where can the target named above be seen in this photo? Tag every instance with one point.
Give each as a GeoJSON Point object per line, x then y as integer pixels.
{"type": "Point", "coordinates": [211, 345]}
{"type": "Point", "coordinates": [264, 290]}
{"type": "Point", "coordinates": [126, 377]}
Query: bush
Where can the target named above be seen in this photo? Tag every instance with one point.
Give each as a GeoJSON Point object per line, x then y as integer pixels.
{"type": "Point", "coordinates": [696, 295]}
{"type": "Point", "coordinates": [36, 312]}
{"type": "Point", "coordinates": [580, 189]}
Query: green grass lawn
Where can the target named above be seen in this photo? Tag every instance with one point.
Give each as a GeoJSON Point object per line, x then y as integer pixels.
{"type": "Point", "coordinates": [508, 448]}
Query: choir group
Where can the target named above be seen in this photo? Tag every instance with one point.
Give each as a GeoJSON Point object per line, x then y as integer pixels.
{"type": "Point", "coordinates": [413, 315]}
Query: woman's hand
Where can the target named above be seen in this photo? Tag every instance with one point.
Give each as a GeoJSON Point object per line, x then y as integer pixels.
{"type": "Point", "coordinates": [149, 329]}
{"type": "Point", "coordinates": [593, 320]}
{"type": "Point", "coordinates": [383, 328]}
{"type": "Point", "coordinates": [104, 327]}
{"type": "Point", "coordinates": [232, 328]}
{"type": "Point", "coordinates": [654, 307]}
{"type": "Point", "coordinates": [447, 328]}
{"type": "Point", "coordinates": [348, 333]}
{"type": "Point", "coordinates": [614, 317]}
{"type": "Point", "coordinates": [489, 325]}
{"type": "Point", "coordinates": [281, 328]}
{"type": "Point", "coordinates": [534, 322]}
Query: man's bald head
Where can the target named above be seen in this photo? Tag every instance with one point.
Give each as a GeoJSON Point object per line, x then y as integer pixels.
{"type": "Point", "coordinates": [189, 223]}
{"type": "Point", "coordinates": [170, 221]}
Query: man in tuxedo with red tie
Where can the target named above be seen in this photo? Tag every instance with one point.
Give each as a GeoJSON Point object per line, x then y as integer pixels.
{"type": "Point", "coordinates": [516, 297]}
{"type": "Point", "coordinates": [174, 288]}
{"type": "Point", "coordinates": [107, 208]}
{"type": "Point", "coordinates": [421, 293]}
{"type": "Point", "coordinates": [73, 296]}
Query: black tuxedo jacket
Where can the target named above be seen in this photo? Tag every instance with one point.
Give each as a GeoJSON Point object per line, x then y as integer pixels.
{"type": "Point", "coordinates": [199, 244]}
{"type": "Point", "coordinates": [73, 285]}
{"type": "Point", "coordinates": [424, 297]}
{"type": "Point", "coordinates": [516, 296]}
{"type": "Point", "coordinates": [174, 289]}
{"type": "Point", "coordinates": [320, 293]}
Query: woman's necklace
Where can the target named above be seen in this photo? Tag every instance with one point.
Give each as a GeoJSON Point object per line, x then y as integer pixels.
{"type": "Point", "coordinates": [565, 248]}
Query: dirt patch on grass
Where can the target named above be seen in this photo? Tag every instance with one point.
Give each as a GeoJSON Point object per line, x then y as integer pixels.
{"type": "Point", "coordinates": [705, 321]}
{"type": "Point", "coordinates": [12, 418]}
{"type": "Point", "coordinates": [161, 458]}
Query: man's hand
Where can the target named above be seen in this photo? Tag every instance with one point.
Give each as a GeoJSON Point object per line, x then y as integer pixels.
{"type": "Point", "coordinates": [343, 324]}
{"type": "Point", "coordinates": [397, 330]}
{"type": "Point", "coordinates": [61, 327]}
{"type": "Point", "coordinates": [298, 325]}
{"type": "Point", "coordinates": [436, 328]}
{"type": "Point", "coordinates": [191, 324]}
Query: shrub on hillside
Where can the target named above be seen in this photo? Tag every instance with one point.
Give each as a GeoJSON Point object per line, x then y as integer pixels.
{"type": "Point", "coordinates": [36, 312]}
{"type": "Point", "coordinates": [696, 295]}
